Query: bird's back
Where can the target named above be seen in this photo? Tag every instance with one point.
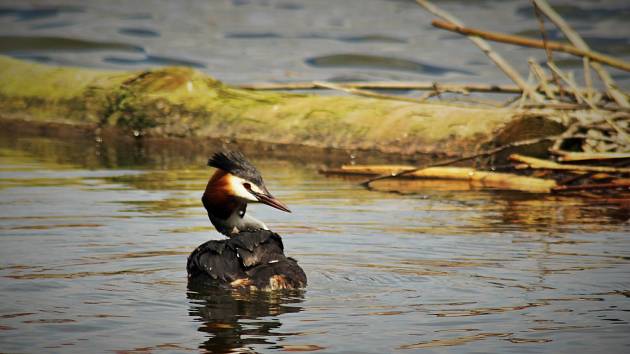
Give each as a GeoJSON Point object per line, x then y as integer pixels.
{"type": "Point", "coordinates": [249, 259]}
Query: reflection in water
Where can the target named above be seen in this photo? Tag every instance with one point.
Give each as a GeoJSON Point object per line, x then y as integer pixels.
{"type": "Point", "coordinates": [102, 149]}
{"type": "Point", "coordinates": [239, 319]}
{"type": "Point", "coordinates": [533, 212]}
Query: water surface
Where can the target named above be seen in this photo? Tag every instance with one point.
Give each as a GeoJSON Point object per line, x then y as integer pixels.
{"type": "Point", "coordinates": [241, 41]}
{"type": "Point", "coordinates": [94, 238]}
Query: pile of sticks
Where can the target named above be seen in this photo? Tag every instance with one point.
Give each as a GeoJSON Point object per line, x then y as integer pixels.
{"type": "Point", "coordinates": [596, 141]}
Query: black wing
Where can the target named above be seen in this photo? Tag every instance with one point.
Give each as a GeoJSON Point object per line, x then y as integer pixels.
{"type": "Point", "coordinates": [217, 260]}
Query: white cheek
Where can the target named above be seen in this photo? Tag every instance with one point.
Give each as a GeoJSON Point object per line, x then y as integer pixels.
{"type": "Point", "coordinates": [236, 185]}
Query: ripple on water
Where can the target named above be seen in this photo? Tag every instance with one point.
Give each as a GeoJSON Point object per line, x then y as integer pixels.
{"type": "Point", "coordinates": [155, 60]}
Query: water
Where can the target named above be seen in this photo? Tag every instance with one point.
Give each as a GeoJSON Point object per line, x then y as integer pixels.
{"type": "Point", "coordinates": [94, 246]}
{"type": "Point", "coordinates": [94, 235]}
{"type": "Point", "coordinates": [242, 41]}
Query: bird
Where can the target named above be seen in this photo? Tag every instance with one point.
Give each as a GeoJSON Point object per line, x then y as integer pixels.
{"type": "Point", "coordinates": [252, 256]}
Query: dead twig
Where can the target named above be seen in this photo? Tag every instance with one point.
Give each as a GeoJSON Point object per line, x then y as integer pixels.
{"type": "Point", "coordinates": [525, 95]}
{"type": "Point", "coordinates": [588, 81]}
{"type": "Point", "coordinates": [542, 78]}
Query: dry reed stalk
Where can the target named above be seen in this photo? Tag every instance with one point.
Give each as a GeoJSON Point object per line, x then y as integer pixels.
{"type": "Point", "coordinates": [539, 73]}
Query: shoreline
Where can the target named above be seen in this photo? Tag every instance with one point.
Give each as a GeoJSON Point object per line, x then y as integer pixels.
{"type": "Point", "coordinates": [186, 105]}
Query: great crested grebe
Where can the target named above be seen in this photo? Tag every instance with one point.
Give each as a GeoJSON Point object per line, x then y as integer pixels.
{"type": "Point", "coordinates": [252, 256]}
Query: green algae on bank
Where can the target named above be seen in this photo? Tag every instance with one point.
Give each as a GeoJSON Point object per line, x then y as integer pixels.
{"type": "Point", "coordinates": [183, 102]}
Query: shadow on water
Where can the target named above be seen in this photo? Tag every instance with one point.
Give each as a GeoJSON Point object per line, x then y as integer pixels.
{"type": "Point", "coordinates": [138, 32]}
{"type": "Point", "coordinates": [235, 320]}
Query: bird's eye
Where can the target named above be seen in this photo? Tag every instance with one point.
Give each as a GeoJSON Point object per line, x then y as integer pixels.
{"type": "Point", "coordinates": [247, 186]}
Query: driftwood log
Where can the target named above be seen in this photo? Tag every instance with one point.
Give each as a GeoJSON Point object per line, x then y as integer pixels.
{"type": "Point", "coordinates": [182, 102]}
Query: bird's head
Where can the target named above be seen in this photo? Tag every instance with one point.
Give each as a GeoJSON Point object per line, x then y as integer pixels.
{"type": "Point", "coordinates": [238, 178]}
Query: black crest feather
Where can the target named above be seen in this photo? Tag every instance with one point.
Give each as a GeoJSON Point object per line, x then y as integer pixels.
{"type": "Point", "coordinates": [235, 163]}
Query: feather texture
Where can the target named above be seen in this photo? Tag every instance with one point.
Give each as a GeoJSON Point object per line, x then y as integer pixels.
{"type": "Point", "coordinates": [254, 259]}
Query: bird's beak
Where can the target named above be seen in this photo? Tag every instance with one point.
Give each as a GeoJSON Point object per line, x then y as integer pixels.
{"type": "Point", "coordinates": [267, 198]}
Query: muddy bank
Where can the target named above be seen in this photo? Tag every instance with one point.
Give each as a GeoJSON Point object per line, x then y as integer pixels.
{"type": "Point", "coordinates": [179, 102]}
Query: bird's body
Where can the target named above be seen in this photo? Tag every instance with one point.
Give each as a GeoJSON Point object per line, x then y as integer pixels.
{"type": "Point", "coordinates": [253, 256]}
{"type": "Point", "coordinates": [250, 259]}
